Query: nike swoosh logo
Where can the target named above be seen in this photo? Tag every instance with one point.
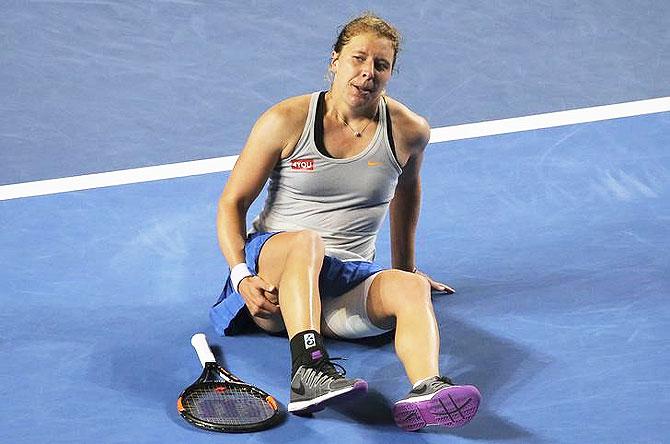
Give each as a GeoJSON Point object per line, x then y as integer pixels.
{"type": "Point", "coordinates": [299, 390]}
{"type": "Point", "coordinates": [420, 390]}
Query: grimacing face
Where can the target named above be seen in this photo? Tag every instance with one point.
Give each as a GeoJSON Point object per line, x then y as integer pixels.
{"type": "Point", "coordinates": [362, 69]}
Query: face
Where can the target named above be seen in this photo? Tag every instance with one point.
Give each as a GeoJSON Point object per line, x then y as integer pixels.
{"type": "Point", "coordinates": [362, 69]}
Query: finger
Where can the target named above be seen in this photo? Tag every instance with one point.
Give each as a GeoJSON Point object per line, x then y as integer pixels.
{"type": "Point", "coordinates": [251, 284]}
{"type": "Point", "coordinates": [438, 286]}
{"type": "Point", "coordinates": [262, 308]}
{"type": "Point", "coordinates": [267, 291]}
{"type": "Point", "coordinates": [264, 286]}
{"type": "Point", "coordinates": [257, 303]}
{"type": "Point", "coordinates": [272, 297]}
{"type": "Point", "coordinates": [441, 287]}
{"type": "Point", "coordinates": [258, 286]}
{"type": "Point", "coordinates": [269, 306]}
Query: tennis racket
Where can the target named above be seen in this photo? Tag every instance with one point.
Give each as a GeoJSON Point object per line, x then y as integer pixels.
{"type": "Point", "coordinates": [222, 402]}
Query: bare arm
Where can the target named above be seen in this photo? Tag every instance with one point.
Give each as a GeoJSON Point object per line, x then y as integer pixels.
{"type": "Point", "coordinates": [406, 204]}
{"type": "Point", "coordinates": [252, 169]}
{"type": "Point", "coordinates": [404, 214]}
{"type": "Point", "coordinates": [271, 137]}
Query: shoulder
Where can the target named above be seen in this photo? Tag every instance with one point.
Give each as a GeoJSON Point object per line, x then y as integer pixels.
{"type": "Point", "coordinates": [410, 130]}
{"type": "Point", "coordinates": [289, 112]}
{"type": "Point", "coordinates": [283, 122]}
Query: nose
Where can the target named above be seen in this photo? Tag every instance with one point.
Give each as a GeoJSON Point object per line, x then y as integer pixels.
{"type": "Point", "coordinates": [368, 69]}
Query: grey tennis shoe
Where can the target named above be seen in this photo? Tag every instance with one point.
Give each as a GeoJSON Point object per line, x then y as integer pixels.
{"type": "Point", "coordinates": [437, 401]}
{"type": "Point", "coordinates": [315, 386]}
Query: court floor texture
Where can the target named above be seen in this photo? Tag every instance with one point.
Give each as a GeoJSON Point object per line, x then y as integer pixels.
{"type": "Point", "coordinates": [556, 239]}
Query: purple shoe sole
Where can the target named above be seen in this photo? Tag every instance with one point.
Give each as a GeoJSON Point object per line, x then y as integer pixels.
{"type": "Point", "coordinates": [450, 407]}
{"type": "Point", "coordinates": [359, 388]}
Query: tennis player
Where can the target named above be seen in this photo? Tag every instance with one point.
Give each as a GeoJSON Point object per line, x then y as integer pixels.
{"type": "Point", "coordinates": [337, 161]}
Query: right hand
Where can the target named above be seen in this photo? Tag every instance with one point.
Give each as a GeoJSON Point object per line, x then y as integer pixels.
{"type": "Point", "coordinates": [261, 298]}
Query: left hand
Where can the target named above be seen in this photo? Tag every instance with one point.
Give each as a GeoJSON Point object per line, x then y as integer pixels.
{"type": "Point", "coordinates": [434, 285]}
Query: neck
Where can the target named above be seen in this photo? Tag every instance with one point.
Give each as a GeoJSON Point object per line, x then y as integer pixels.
{"type": "Point", "coordinates": [349, 113]}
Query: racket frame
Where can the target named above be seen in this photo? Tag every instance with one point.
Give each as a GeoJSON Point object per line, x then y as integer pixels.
{"type": "Point", "coordinates": [213, 377]}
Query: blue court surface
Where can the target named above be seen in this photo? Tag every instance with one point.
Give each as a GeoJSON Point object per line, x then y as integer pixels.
{"type": "Point", "coordinates": [556, 240]}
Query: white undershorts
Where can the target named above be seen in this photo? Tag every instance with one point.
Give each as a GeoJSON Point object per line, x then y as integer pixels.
{"type": "Point", "coordinates": [347, 316]}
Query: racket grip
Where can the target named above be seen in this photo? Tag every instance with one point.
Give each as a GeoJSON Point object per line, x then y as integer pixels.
{"type": "Point", "coordinates": [199, 343]}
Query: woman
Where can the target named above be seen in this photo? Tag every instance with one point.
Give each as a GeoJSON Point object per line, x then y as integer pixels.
{"type": "Point", "coordinates": [337, 162]}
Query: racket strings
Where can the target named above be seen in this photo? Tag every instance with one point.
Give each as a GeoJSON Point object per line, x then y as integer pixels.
{"type": "Point", "coordinates": [227, 405]}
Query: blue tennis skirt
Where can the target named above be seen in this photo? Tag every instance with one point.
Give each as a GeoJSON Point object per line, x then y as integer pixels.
{"type": "Point", "coordinates": [229, 314]}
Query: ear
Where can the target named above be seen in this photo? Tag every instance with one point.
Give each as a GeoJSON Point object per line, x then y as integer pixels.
{"type": "Point", "coordinates": [334, 58]}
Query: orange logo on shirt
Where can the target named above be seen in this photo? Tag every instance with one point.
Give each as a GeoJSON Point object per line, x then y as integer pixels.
{"type": "Point", "coordinates": [302, 164]}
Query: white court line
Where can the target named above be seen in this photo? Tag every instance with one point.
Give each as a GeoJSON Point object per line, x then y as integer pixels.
{"type": "Point", "coordinates": [444, 134]}
{"type": "Point", "coordinates": [550, 120]}
{"type": "Point", "coordinates": [113, 178]}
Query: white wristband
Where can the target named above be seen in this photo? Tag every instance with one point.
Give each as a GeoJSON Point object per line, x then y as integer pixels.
{"type": "Point", "coordinates": [239, 272]}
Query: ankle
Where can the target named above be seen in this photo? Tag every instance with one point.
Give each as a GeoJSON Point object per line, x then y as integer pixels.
{"type": "Point", "coordinates": [306, 349]}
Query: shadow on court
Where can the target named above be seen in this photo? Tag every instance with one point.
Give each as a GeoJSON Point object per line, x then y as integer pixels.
{"type": "Point", "coordinates": [468, 355]}
{"type": "Point", "coordinates": [494, 365]}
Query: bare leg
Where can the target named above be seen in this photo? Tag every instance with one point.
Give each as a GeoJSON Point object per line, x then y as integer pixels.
{"type": "Point", "coordinates": [292, 262]}
{"type": "Point", "coordinates": [402, 298]}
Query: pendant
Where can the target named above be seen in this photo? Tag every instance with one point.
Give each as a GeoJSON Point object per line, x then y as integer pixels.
{"type": "Point", "coordinates": [357, 134]}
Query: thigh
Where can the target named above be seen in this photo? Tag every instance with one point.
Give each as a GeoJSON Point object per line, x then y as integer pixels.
{"type": "Point", "coordinates": [346, 316]}
{"type": "Point", "coordinates": [273, 257]}
{"type": "Point", "coordinates": [274, 324]}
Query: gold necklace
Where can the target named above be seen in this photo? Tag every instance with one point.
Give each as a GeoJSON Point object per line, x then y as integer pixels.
{"type": "Point", "coordinates": [356, 133]}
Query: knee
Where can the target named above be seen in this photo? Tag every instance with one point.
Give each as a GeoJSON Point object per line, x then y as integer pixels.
{"type": "Point", "coordinates": [406, 290]}
{"type": "Point", "coordinates": [397, 294]}
{"type": "Point", "coordinates": [308, 242]}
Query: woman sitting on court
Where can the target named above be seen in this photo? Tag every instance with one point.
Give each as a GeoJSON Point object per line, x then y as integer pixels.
{"type": "Point", "coordinates": [337, 161]}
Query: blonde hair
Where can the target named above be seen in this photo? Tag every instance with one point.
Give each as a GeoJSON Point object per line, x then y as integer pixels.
{"type": "Point", "coordinates": [369, 22]}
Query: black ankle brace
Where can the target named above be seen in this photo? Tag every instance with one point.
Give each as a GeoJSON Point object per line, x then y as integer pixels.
{"type": "Point", "coordinates": [306, 349]}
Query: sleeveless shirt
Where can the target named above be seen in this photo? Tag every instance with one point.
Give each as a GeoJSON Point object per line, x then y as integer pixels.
{"type": "Point", "coordinates": [344, 200]}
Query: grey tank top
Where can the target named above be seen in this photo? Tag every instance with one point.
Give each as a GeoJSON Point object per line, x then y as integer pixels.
{"type": "Point", "coordinates": [344, 200]}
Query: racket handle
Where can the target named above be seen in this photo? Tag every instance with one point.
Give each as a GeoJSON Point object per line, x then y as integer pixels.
{"type": "Point", "coordinates": [199, 343]}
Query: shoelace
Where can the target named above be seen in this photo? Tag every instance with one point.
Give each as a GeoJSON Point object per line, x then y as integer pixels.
{"type": "Point", "coordinates": [440, 381]}
{"type": "Point", "coordinates": [331, 369]}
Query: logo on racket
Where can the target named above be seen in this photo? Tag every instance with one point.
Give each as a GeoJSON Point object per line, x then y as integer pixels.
{"type": "Point", "coordinates": [302, 164]}
{"type": "Point", "coordinates": [310, 340]}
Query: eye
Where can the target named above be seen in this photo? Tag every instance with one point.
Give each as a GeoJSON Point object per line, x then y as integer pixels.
{"type": "Point", "coordinates": [359, 58]}
{"type": "Point", "coordinates": [382, 66]}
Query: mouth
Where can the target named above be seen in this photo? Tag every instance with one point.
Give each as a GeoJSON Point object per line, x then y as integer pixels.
{"type": "Point", "coordinates": [363, 90]}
